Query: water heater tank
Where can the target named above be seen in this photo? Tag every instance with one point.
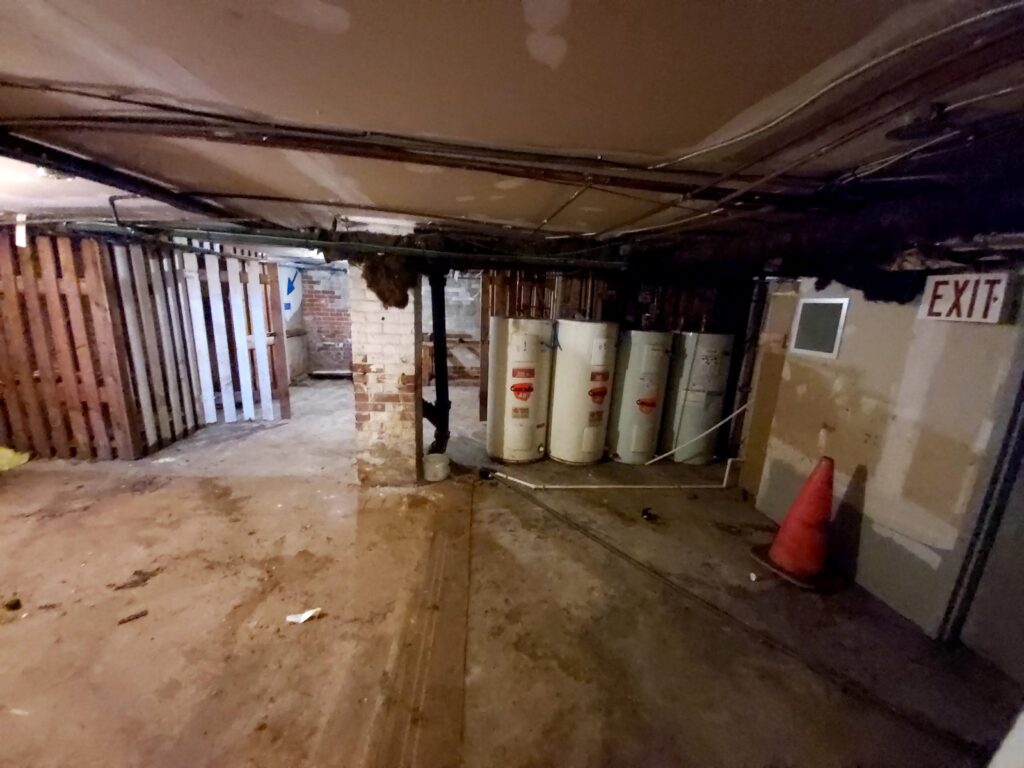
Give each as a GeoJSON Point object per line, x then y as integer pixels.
{"type": "Point", "coordinates": [696, 390]}
{"type": "Point", "coordinates": [581, 390]}
{"type": "Point", "coordinates": [518, 385]}
{"type": "Point", "coordinates": [641, 371]}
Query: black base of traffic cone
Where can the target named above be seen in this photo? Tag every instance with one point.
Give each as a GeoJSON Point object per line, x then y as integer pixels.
{"type": "Point", "coordinates": [826, 581]}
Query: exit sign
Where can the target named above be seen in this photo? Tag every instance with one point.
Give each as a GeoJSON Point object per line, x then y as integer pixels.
{"type": "Point", "coordinates": [968, 298]}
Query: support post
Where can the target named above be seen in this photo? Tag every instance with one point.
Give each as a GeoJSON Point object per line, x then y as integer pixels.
{"type": "Point", "coordinates": [440, 411]}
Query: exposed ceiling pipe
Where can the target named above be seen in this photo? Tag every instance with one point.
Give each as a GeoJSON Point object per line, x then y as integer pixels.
{"type": "Point", "coordinates": [548, 167]}
{"type": "Point", "coordinates": [724, 180]}
{"type": "Point", "coordinates": [222, 121]}
{"type": "Point", "coordinates": [54, 159]}
{"type": "Point", "coordinates": [575, 258]}
{"type": "Point", "coordinates": [849, 76]}
{"type": "Point", "coordinates": [562, 206]}
{"type": "Point", "coordinates": [984, 97]}
{"type": "Point", "coordinates": [816, 153]}
{"type": "Point", "coordinates": [426, 216]}
{"type": "Point", "coordinates": [880, 165]}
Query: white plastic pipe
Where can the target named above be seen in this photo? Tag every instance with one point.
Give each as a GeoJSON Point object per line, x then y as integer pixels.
{"type": "Point", "coordinates": [621, 486]}
{"type": "Point", "coordinates": [728, 418]}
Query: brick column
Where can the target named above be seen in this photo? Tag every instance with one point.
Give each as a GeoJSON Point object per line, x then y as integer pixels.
{"type": "Point", "coordinates": [386, 375]}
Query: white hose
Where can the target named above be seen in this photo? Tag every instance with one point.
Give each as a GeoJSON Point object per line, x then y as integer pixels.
{"type": "Point", "coordinates": [620, 486]}
{"type": "Point", "coordinates": [678, 448]}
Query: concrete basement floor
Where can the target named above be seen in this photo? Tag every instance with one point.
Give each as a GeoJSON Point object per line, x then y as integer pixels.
{"type": "Point", "coordinates": [465, 623]}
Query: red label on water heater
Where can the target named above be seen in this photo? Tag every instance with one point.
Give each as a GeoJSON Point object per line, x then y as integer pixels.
{"type": "Point", "coordinates": [647, 404]}
{"type": "Point", "coordinates": [522, 391]}
{"type": "Point", "coordinates": [598, 394]}
{"type": "Point", "coordinates": [523, 373]}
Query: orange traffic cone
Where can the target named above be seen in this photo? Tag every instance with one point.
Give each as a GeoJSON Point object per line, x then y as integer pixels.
{"type": "Point", "coordinates": [801, 545]}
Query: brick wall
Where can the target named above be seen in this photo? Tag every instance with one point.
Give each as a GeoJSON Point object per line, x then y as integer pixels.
{"type": "Point", "coordinates": [327, 318]}
{"type": "Point", "coordinates": [386, 376]}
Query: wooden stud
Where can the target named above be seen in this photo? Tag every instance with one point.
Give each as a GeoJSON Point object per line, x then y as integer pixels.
{"type": "Point", "coordinates": [83, 353]}
{"type": "Point", "coordinates": [190, 338]}
{"type": "Point", "coordinates": [11, 422]}
{"type": "Point", "coordinates": [163, 323]}
{"type": "Point", "coordinates": [240, 326]}
{"type": "Point", "coordinates": [147, 314]}
{"type": "Point", "coordinates": [279, 356]}
{"type": "Point", "coordinates": [199, 338]}
{"type": "Point", "coordinates": [20, 361]}
{"type": "Point", "coordinates": [501, 294]}
{"type": "Point", "coordinates": [136, 348]}
{"type": "Point", "coordinates": [63, 348]}
{"type": "Point", "coordinates": [5, 430]}
{"type": "Point", "coordinates": [41, 340]}
{"type": "Point", "coordinates": [19, 429]}
{"type": "Point", "coordinates": [258, 318]}
{"type": "Point", "coordinates": [188, 400]}
{"type": "Point", "coordinates": [220, 338]}
{"type": "Point", "coordinates": [113, 353]}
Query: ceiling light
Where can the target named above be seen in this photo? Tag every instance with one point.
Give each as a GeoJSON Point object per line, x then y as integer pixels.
{"type": "Point", "coordinates": [21, 231]}
{"type": "Point", "coordinates": [15, 172]}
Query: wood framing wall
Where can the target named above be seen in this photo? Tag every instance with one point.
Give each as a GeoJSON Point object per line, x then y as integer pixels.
{"type": "Point", "coordinates": [105, 348]}
{"type": "Point", "coordinates": [235, 308]}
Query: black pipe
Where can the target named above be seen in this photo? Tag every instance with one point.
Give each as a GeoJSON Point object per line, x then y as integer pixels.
{"type": "Point", "coordinates": [296, 239]}
{"type": "Point", "coordinates": [441, 409]}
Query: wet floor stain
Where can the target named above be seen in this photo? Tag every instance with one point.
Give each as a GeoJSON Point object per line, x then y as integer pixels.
{"type": "Point", "coordinates": [745, 530]}
{"type": "Point", "coordinates": [222, 499]}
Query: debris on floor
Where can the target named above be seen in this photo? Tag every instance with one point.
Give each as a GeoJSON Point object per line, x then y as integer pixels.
{"type": "Point", "coordinates": [133, 617]}
{"type": "Point", "coordinates": [9, 459]}
{"type": "Point", "coordinates": [139, 578]}
{"type": "Point", "coordinates": [649, 515]}
{"type": "Point", "coordinates": [14, 604]}
{"type": "Point", "coordinates": [302, 618]}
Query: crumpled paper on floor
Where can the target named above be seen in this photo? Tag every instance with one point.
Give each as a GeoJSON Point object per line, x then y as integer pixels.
{"type": "Point", "coordinates": [302, 618]}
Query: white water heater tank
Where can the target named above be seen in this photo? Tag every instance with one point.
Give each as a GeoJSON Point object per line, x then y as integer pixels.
{"type": "Point", "coordinates": [581, 390]}
{"type": "Point", "coordinates": [696, 391]}
{"type": "Point", "coordinates": [641, 371]}
{"type": "Point", "coordinates": [518, 385]}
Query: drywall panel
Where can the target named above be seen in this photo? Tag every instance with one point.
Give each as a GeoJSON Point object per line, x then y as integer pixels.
{"type": "Point", "coordinates": [995, 624]}
{"type": "Point", "coordinates": [907, 410]}
{"type": "Point", "coordinates": [771, 357]}
{"type": "Point", "coordinates": [252, 170]}
{"type": "Point", "coordinates": [526, 73]}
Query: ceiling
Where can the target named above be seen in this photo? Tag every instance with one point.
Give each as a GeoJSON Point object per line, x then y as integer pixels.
{"type": "Point", "coordinates": [540, 118]}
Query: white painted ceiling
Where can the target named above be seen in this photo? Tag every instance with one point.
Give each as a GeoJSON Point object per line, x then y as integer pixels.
{"type": "Point", "coordinates": [637, 81]}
